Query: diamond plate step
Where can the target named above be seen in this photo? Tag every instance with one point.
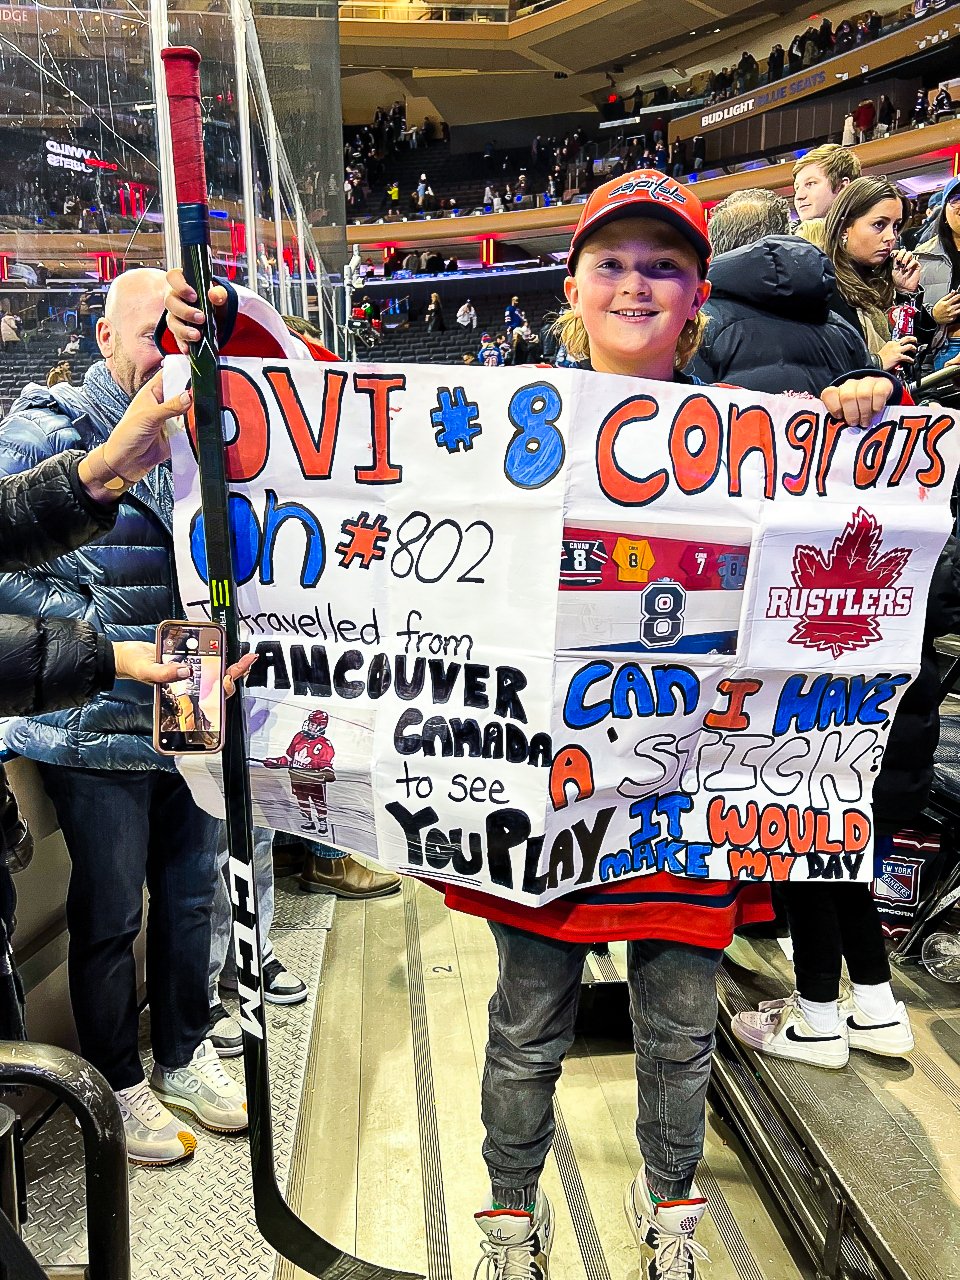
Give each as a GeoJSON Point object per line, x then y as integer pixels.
{"type": "Point", "coordinates": [194, 1221]}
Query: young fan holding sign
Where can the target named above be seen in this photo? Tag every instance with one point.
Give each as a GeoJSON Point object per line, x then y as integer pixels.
{"type": "Point", "coordinates": [638, 262]}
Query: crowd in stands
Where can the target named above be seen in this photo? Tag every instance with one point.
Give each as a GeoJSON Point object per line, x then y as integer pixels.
{"type": "Point", "coordinates": [388, 170]}
{"type": "Point", "coordinates": [523, 332]}
{"type": "Point", "coordinates": [808, 47]}
{"type": "Point", "coordinates": [557, 168]}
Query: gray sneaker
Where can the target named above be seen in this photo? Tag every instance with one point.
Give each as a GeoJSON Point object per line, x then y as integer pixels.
{"type": "Point", "coordinates": [225, 1034]}
{"type": "Point", "coordinates": [666, 1230]}
{"type": "Point", "coordinates": [204, 1089]}
{"type": "Point", "coordinates": [153, 1134]}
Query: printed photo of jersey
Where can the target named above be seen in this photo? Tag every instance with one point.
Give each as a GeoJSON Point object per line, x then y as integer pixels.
{"type": "Point", "coordinates": [651, 594]}
{"type": "Point", "coordinates": [582, 561]}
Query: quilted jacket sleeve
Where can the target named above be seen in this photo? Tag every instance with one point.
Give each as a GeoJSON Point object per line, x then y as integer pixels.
{"type": "Point", "coordinates": [46, 512]}
{"type": "Point", "coordinates": [50, 663]}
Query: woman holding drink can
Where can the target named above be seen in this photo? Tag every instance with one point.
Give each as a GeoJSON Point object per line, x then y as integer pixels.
{"type": "Point", "coordinates": [877, 283]}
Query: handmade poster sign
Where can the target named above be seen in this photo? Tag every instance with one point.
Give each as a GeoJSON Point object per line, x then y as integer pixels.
{"type": "Point", "coordinates": [534, 630]}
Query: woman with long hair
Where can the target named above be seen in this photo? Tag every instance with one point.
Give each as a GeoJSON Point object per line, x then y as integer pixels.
{"type": "Point", "coordinates": [435, 320]}
{"type": "Point", "coordinates": [939, 258]}
{"type": "Point", "coordinates": [860, 239]}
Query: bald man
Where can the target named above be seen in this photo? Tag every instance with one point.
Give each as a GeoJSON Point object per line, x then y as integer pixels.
{"type": "Point", "coordinates": [125, 332]}
{"type": "Point", "coordinates": [126, 814]}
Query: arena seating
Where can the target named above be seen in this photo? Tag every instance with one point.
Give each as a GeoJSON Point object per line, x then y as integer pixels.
{"type": "Point", "coordinates": [461, 177]}
{"type": "Point", "coordinates": [33, 362]}
{"type": "Point", "coordinates": [414, 343]}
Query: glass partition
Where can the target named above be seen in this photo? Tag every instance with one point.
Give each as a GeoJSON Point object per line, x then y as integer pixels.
{"type": "Point", "coordinates": [86, 187]}
{"type": "Point", "coordinates": [296, 70]}
{"type": "Point", "coordinates": [79, 183]}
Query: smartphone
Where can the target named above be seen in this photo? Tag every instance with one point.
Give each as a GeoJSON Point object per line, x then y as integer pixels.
{"type": "Point", "coordinates": [188, 713]}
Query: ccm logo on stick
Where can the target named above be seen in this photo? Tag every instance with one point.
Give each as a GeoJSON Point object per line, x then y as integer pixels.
{"type": "Point", "coordinates": [246, 950]}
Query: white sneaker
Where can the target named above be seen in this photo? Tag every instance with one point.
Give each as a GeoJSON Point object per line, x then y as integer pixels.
{"type": "Point", "coordinates": [785, 1033]}
{"type": "Point", "coordinates": [665, 1230]}
{"type": "Point", "coordinates": [890, 1039]}
{"type": "Point", "coordinates": [153, 1134]}
{"type": "Point", "coordinates": [205, 1090]}
{"type": "Point", "coordinates": [517, 1244]}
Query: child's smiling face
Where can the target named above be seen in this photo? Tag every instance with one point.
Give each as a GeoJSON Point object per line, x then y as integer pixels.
{"type": "Point", "coordinates": [637, 283]}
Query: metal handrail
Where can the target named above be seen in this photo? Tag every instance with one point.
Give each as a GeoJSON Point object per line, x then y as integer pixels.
{"type": "Point", "coordinates": [84, 1090]}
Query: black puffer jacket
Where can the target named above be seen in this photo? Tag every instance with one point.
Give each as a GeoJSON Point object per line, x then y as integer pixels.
{"type": "Point", "coordinates": [906, 773]}
{"type": "Point", "coordinates": [49, 663]}
{"type": "Point", "coordinates": [770, 324]}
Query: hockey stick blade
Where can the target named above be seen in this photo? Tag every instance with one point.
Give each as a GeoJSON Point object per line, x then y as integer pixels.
{"type": "Point", "coordinates": [280, 1227]}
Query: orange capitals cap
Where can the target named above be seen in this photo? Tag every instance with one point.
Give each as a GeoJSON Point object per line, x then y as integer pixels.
{"type": "Point", "coordinates": [645, 193]}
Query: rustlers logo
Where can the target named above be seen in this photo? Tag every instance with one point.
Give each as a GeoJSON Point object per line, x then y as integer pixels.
{"type": "Point", "coordinates": [662, 188]}
{"type": "Point", "coordinates": [838, 595]}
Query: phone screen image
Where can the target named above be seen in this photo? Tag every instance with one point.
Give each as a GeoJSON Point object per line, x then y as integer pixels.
{"type": "Point", "coordinates": [191, 708]}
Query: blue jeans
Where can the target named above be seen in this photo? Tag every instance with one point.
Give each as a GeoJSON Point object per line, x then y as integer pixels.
{"type": "Point", "coordinates": [673, 1005]}
{"type": "Point", "coordinates": [124, 829]}
{"type": "Point", "coordinates": [321, 850]}
{"type": "Point", "coordinates": [949, 351]}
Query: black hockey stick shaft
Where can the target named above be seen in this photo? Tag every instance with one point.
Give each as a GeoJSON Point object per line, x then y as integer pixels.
{"type": "Point", "coordinates": [279, 1225]}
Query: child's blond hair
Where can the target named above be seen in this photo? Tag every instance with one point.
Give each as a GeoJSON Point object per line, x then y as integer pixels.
{"type": "Point", "coordinates": [814, 231]}
{"type": "Point", "coordinates": [572, 334]}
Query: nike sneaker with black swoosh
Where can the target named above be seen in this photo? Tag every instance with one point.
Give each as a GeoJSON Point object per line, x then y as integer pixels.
{"type": "Point", "coordinates": [891, 1038]}
{"type": "Point", "coordinates": [785, 1033]}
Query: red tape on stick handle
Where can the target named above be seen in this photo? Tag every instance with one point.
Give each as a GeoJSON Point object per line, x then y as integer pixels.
{"type": "Point", "coordinates": [182, 69]}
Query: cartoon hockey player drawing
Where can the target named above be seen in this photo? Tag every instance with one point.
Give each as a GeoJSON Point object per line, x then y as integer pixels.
{"type": "Point", "coordinates": [309, 758]}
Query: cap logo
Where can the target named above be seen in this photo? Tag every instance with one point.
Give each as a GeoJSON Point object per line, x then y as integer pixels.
{"type": "Point", "coordinates": [660, 188]}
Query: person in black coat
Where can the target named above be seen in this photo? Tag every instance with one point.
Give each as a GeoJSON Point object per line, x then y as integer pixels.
{"type": "Point", "coordinates": [48, 511]}
{"type": "Point", "coordinates": [770, 324]}
{"type": "Point", "coordinates": [770, 329]}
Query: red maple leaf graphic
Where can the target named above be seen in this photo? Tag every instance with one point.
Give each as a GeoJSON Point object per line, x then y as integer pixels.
{"type": "Point", "coordinates": [854, 561]}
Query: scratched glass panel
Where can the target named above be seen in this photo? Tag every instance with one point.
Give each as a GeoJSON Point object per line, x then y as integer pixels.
{"type": "Point", "coordinates": [208, 27]}
{"type": "Point", "coordinates": [79, 196]}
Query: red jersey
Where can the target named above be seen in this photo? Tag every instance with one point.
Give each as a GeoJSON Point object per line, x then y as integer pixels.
{"type": "Point", "coordinates": [304, 752]}
{"type": "Point", "coordinates": [250, 326]}
{"type": "Point", "coordinates": [703, 913]}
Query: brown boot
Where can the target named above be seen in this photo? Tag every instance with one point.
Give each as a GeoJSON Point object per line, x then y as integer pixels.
{"type": "Point", "coordinates": [346, 878]}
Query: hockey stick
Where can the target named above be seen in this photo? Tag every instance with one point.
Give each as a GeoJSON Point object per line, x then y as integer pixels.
{"type": "Point", "coordinates": [282, 1229]}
